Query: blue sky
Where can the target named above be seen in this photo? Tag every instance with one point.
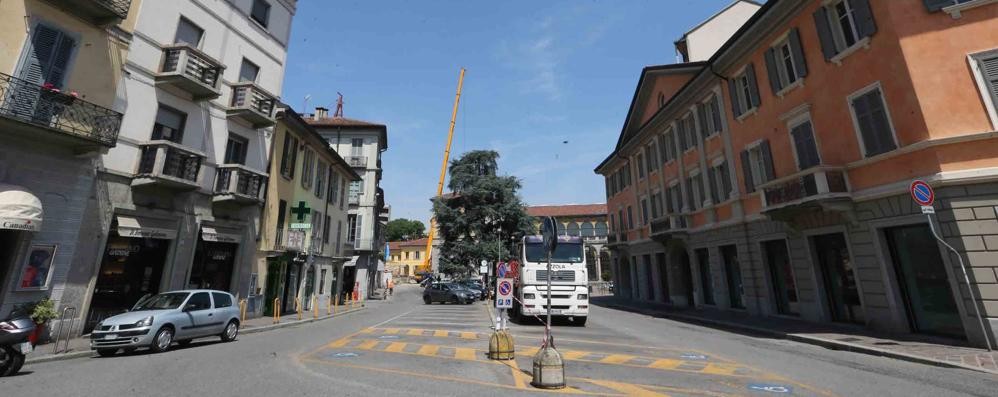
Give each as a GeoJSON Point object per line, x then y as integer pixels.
{"type": "Point", "coordinates": [539, 73]}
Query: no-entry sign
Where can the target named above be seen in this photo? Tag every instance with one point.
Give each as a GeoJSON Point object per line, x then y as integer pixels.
{"type": "Point", "coordinates": [922, 193]}
{"type": "Point", "coordinates": [504, 293]}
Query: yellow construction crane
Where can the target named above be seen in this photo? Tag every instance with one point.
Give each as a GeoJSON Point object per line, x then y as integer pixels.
{"type": "Point", "coordinates": [427, 265]}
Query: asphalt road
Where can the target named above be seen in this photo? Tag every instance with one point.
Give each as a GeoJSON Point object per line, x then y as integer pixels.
{"type": "Point", "coordinates": [403, 347]}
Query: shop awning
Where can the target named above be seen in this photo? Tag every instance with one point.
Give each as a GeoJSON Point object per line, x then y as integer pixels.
{"type": "Point", "coordinates": [19, 209]}
{"type": "Point", "coordinates": [131, 226]}
{"type": "Point", "coordinates": [220, 235]}
{"type": "Point", "coordinates": [352, 261]}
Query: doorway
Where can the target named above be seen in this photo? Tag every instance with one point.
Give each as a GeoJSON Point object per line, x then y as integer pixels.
{"type": "Point", "coordinates": [839, 278]}
{"type": "Point", "coordinates": [663, 276]}
{"type": "Point", "coordinates": [8, 250]}
{"type": "Point", "coordinates": [130, 269]}
{"type": "Point", "coordinates": [213, 264]}
{"type": "Point", "coordinates": [686, 277]}
{"type": "Point", "coordinates": [925, 287]}
{"type": "Point", "coordinates": [649, 280]}
{"type": "Point", "coordinates": [291, 279]}
{"type": "Point", "coordinates": [781, 275]}
{"type": "Point", "coordinates": [706, 278]}
{"type": "Point", "coordinates": [733, 276]}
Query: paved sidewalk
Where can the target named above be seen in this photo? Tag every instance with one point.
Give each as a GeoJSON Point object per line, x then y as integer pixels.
{"type": "Point", "coordinates": [908, 347]}
{"type": "Point", "coordinates": [80, 347]}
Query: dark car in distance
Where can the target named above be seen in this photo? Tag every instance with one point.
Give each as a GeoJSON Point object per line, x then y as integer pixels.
{"type": "Point", "coordinates": [447, 292]}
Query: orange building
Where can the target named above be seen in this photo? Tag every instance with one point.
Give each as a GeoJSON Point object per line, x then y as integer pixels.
{"type": "Point", "coordinates": [773, 177]}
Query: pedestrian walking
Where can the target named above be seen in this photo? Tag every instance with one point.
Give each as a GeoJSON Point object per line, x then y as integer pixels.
{"type": "Point", "coordinates": [391, 286]}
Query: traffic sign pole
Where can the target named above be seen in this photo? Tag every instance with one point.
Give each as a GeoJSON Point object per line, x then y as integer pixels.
{"type": "Point", "coordinates": [923, 194]}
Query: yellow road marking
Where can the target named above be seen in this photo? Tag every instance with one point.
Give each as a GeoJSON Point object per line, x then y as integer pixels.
{"type": "Point", "coordinates": [626, 388]}
{"type": "Point", "coordinates": [616, 359]}
{"type": "Point", "coordinates": [367, 345]}
{"type": "Point", "coordinates": [339, 343]}
{"type": "Point", "coordinates": [366, 331]}
{"type": "Point", "coordinates": [665, 363]}
{"type": "Point", "coordinates": [719, 369]}
{"type": "Point", "coordinates": [464, 353]}
{"type": "Point", "coordinates": [440, 333]}
{"type": "Point", "coordinates": [395, 347]}
{"type": "Point", "coordinates": [469, 335]}
{"type": "Point", "coordinates": [415, 332]}
{"type": "Point", "coordinates": [520, 379]}
{"type": "Point", "coordinates": [573, 354]}
{"type": "Point", "coordinates": [428, 350]}
{"type": "Point", "coordinates": [391, 331]}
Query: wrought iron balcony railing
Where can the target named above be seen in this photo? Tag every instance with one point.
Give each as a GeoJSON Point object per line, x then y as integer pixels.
{"type": "Point", "coordinates": [190, 70]}
{"type": "Point", "coordinates": [168, 163]}
{"type": "Point", "coordinates": [35, 106]}
{"type": "Point", "coordinates": [357, 161]}
{"type": "Point", "coordinates": [812, 184]}
{"type": "Point", "coordinates": [252, 104]}
{"type": "Point", "coordinates": [240, 184]}
{"type": "Point", "coordinates": [101, 12]}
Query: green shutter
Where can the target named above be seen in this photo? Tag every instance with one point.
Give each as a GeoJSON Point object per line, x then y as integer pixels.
{"type": "Point", "coordinates": [715, 110]}
{"type": "Point", "coordinates": [702, 115]}
{"type": "Point", "coordinates": [767, 160]}
{"type": "Point", "coordinates": [797, 50]}
{"type": "Point", "coordinates": [733, 91]}
{"type": "Point", "coordinates": [753, 85]}
{"type": "Point", "coordinates": [747, 171]}
{"type": "Point", "coordinates": [989, 70]}
{"type": "Point", "coordinates": [825, 33]}
{"type": "Point", "coordinates": [771, 71]}
{"type": "Point", "coordinates": [865, 25]}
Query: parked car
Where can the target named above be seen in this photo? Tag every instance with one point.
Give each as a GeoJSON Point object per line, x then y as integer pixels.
{"type": "Point", "coordinates": [158, 321]}
{"type": "Point", "coordinates": [447, 292]}
{"type": "Point", "coordinates": [475, 285]}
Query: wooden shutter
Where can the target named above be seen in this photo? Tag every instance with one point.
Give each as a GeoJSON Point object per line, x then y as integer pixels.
{"type": "Point", "coordinates": [865, 25]}
{"type": "Point", "coordinates": [725, 181]}
{"type": "Point", "coordinates": [689, 194]}
{"type": "Point", "coordinates": [702, 115]}
{"type": "Point", "coordinates": [772, 72]}
{"type": "Point", "coordinates": [747, 171]}
{"type": "Point", "coordinates": [47, 57]}
{"type": "Point", "coordinates": [767, 160]}
{"type": "Point", "coordinates": [733, 91]}
{"type": "Point", "coordinates": [989, 70]}
{"type": "Point", "coordinates": [682, 135]}
{"type": "Point", "coordinates": [936, 5]}
{"type": "Point", "coordinates": [798, 52]}
{"type": "Point", "coordinates": [807, 150]}
{"type": "Point", "coordinates": [871, 116]}
{"type": "Point", "coordinates": [712, 178]}
{"type": "Point", "coordinates": [753, 85]}
{"type": "Point", "coordinates": [825, 33]}
{"type": "Point", "coordinates": [715, 112]}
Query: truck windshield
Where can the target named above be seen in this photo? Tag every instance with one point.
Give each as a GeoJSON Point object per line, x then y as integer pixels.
{"type": "Point", "coordinates": [564, 253]}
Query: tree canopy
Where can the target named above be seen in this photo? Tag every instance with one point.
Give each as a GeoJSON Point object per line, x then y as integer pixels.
{"type": "Point", "coordinates": [404, 229]}
{"type": "Point", "coordinates": [481, 207]}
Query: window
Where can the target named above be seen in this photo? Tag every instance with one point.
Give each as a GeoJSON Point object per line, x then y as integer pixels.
{"type": "Point", "coordinates": [47, 59]}
{"type": "Point", "coordinates": [352, 226]}
{"type": "Point", "coordinates": [282, 209]}
{"type": "Point", "coordinates": [339, 236]}
{"type": "Point", "coordinates": [320, 179]}
{"type": "Point", "coordinates": [757, 164]}
{"type": "Point", "coordinates": [744, 90]}
{"type": "Point", "coordinates": [260, 12]}
{"type": "Point", "coordinates": [644, 211]}
{"type": "Point", "coordinates": [248, 71]}
{"type": "Point", "coordinates": [334, 185]}
{"type": "Point", "coordinates": [670, 146]}
{"type": "Point", "coordinates": [307, 168]}
{"type": "Point", "coordinates": [694, 191]}
{"type": "Point", "coordinates": [691, 201]}
{"type": "Point", "coordinates": [289, 156]}
{"type": "Point", "coordinates": [357, 147]}
{"type": "Point", "coordinates": [415, 255]}
{"type": "Point", "coordinates": [804, 145]}
{"type": "Point", "coordinates": [169, 125]}
{"type": "Point", "coordinates": [720, 183]}
{"type": "Point", "coordinates": [322, 281]}
{"type": "Point", "coordinates": [986, 66]}
{"type": "Point", "coordinates": [673, 199]}
{"type": "Point", "coordinates": [601, 227]}
{"type": "Point", "coordinates": [221, 299]}
{"type": "Point", "coordinates": [199, 301]}
{"type": "Point", "coordinates": [188, 33]}
{"type": "Point", "coordinates": [710, 117]}
{"type": "Point", "coordinates": [621, 224]}
{"type": "Point", "coordinates": [325, 230]}
{"type": "Point", "coordinates": [343, 194]}
{"type": "Point", "coordinates": [641, 165]}
{"type": "Point", "coordinates": [630, 218]}
{"type": "Point", "coordinates": [687, 132]}
{"type": "Point", "coordinates": [355, 190]}
{"type": "Point", "coordinates": [842, 24]}
{"type": "Point", "coordinates": [785, 62]}
{"type": "Point", "coordinates": [655, 197]}
{"type": "Point", "coordinates": [235, 149]}
{"type": "Point", "coordinates": [316, 228]}
{"type": "Point", "coordinates": [872, 122]}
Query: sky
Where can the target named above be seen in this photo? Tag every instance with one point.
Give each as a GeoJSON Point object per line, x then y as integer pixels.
{"type": "Point", "coordinates": [548, 83]}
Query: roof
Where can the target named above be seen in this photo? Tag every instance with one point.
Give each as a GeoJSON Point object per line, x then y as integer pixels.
{"type": "Point", "coordinates": [342, 122]}
{"type": "Point", "coordinates": [285, 112]}
{"type": "Point", "coordinates": [567, 210]}
{"type": "Point", "coordinates": [420, 242]}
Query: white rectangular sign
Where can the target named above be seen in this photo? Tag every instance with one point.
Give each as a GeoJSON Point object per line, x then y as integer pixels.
{"type": "Point", "coordinates": [504, 293]}
{"type": "Point", "coordinates": [928, 209]}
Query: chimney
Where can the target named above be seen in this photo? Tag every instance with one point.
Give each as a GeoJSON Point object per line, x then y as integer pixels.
{"type": "Point", "coordinates": [321, 112]}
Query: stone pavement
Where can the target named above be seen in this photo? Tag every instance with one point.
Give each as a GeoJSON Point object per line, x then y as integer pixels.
{"type": "Point", "coordinates": [80, 346]}
{"type": "Point", "coordinates": [910, 347]}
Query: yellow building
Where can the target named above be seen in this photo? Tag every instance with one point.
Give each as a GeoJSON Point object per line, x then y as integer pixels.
{"type": "Point", "coordinates": [406, 256]}
{"type": "Point", "coordinates": [302, 245]}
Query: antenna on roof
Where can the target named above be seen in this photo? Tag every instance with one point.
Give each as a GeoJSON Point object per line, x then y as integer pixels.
{"type": "Point", "coordinates": [339, 106]}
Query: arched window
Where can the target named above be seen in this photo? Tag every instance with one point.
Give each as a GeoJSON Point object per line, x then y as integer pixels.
{"type": "Point", "coordinates": [573, 228]}
{"type": "Point", "coordinates": [601, 229]}
{"type": "Point", "coordinates": [587, 229]}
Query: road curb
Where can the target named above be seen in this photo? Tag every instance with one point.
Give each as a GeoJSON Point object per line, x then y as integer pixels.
{"type": "Point", "coordinates": [826, 343]}
{"type": "Point", "coordinates": [253, 330]}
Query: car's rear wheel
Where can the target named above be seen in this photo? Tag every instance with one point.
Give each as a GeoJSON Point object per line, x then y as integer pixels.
{"type": "Point", "coordinates": [106, 352]}
{"type": "Point", "coordinates": [231, 331]}
{"type": "Point", "coordinates": [162, 341]}
{"type": "Point", "coordinates": [427, 300]}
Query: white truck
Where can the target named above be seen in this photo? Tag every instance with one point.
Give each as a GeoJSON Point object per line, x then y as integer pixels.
{"type": "Point", "coordinates": [569, 280]}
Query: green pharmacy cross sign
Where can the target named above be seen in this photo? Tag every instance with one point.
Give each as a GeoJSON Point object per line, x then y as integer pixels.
{"type": "Point", "coordinates": [301, 210]}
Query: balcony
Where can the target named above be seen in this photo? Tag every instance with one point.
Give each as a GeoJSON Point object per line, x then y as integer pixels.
{"type": "Point", "coordinates": [191, 71]}
{"type": "Point", "coordinates": [670, 226]}
{"type": "Point", "coordinates": [252, 104]}
{"type": "Point", "coordinates": [364, 244]}
{"type": "Point", "coordinates": [100, 12]}
{"type": "Point", "coordinates": [238, 184]}
{"type": "Point", "coordinates": [168, 164]}
{"type": "Point", "coordinates": [812, 189]}
{"type": "Point", "coordinates": [357, 161]}
{"type": "Point", "coordinates": [40, 113]}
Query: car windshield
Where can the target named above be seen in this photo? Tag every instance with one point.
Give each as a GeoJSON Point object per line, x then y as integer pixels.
{"type": "Point", "coordinates": [167, 301]}
{"type": "Point", "coordinates": [563, 253]}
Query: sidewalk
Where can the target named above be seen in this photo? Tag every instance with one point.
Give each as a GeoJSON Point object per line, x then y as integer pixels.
{"type": "Point", "coordinates": [909, 347]}
{"type": "Point", "coordinates": [80, 347]}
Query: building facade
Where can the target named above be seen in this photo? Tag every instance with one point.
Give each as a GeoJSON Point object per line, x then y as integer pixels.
{"type": "Point", "coordinates": [60, 110]}
{"type": "Point", "coordinates": [361, 143]}
{"type": "Point", "coordinates": [177, 202]}
{"type": "Point", "coordinates": [301, 252]}
{"type": "Point", "coordinates": [405, 257]}
{"type": "Point", "coordinates": [772, 177]}
{"type": "Point", "coordinates": [588, 221]}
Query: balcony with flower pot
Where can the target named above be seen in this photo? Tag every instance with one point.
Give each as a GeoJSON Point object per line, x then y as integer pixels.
{"type": "Point", "coordinates": [240, 185]}
{"type": "Point", "coordinates": [98, 12]}
{"type": "Point", "coordinates": [46, 113]}
{"type": "Point", "coordinates": [167, 164]}
{"type": "Point", "coordinates": [252, 104]}
{"type": "Point", "coordinates": [189, 70]}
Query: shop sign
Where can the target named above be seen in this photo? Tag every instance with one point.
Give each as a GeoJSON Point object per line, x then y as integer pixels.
{"type": "Point", "coordinates": [20, 224]}
{"type": "Point", "coordinates": [301, 226]}
{"type": "Point", "coordinates": [213, 235]}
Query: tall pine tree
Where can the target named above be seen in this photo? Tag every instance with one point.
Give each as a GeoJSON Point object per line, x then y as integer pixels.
{"type": "Point", "coordinates": [481, 207]}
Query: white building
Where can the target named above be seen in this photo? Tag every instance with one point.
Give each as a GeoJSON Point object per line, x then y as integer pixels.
{"type": "Point", "coordinates": [178, 199]}
{"type": "Point", "coordinates": [360, 143]}
{"type": "Point", "coordinates": [703, 40]}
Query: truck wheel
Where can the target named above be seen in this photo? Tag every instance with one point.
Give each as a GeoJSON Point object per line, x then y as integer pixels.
{"type": "Point", "coordinates": [579, 321]}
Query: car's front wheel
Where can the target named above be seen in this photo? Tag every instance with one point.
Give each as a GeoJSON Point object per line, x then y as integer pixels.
{"type": "Point", "coordinates": [231, 330]}
{"type": "Point", "coordinates": [427, 300]}
{"type": "Point", "coordinates": [106, 352]}
{"type": "Point", "coordinates": [162, 341]}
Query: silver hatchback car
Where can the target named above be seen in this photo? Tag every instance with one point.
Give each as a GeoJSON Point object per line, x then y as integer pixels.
{"type": "Point", "coordinates": [157, 321]}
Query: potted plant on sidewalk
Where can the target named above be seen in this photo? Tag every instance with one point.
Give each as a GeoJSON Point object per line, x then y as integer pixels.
{"type": "Point", "coordinates": [41, 314]}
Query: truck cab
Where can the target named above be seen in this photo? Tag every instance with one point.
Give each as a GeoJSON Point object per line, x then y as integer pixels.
{"type": "Point", "coordinates": [569, 279]}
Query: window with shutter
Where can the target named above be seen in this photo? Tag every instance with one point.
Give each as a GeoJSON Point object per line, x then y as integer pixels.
{"type": "Point", "coordinates": [641, 166]}
{"type": "Point", "coordinates": [783, 62]}
{"type": "Point", "coordinates": [725, 177]}
{"type": "Point", "coordinates": [47, 56]}
{"type": "Point", "coordinates": [704, 124]}
{"type": "Point", "coordinates": [736, 109]}
{"type": "Point", "coordinates": [681, 132]}
{"type": "Point", "coordinates": [714, 108]}
{"type": "Point", "coordinates": [872, 122]}
{"type": "Point", "coordinates": [805, 145]}
{"type": "Point", "coordinates": [169, 125]}
{"type": "Point", "coordinates": [644, 211]}
{"type": "Point", "coordinates": [988, 66]}
{"type": "Point", "coordinates": [842, 24]}
{"type": "Point", "coordinates": [691, 201]}
{"type": "Point", "coordinates": [747, 171]}
{"type": "Point", "coordinates": [712, 185]}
